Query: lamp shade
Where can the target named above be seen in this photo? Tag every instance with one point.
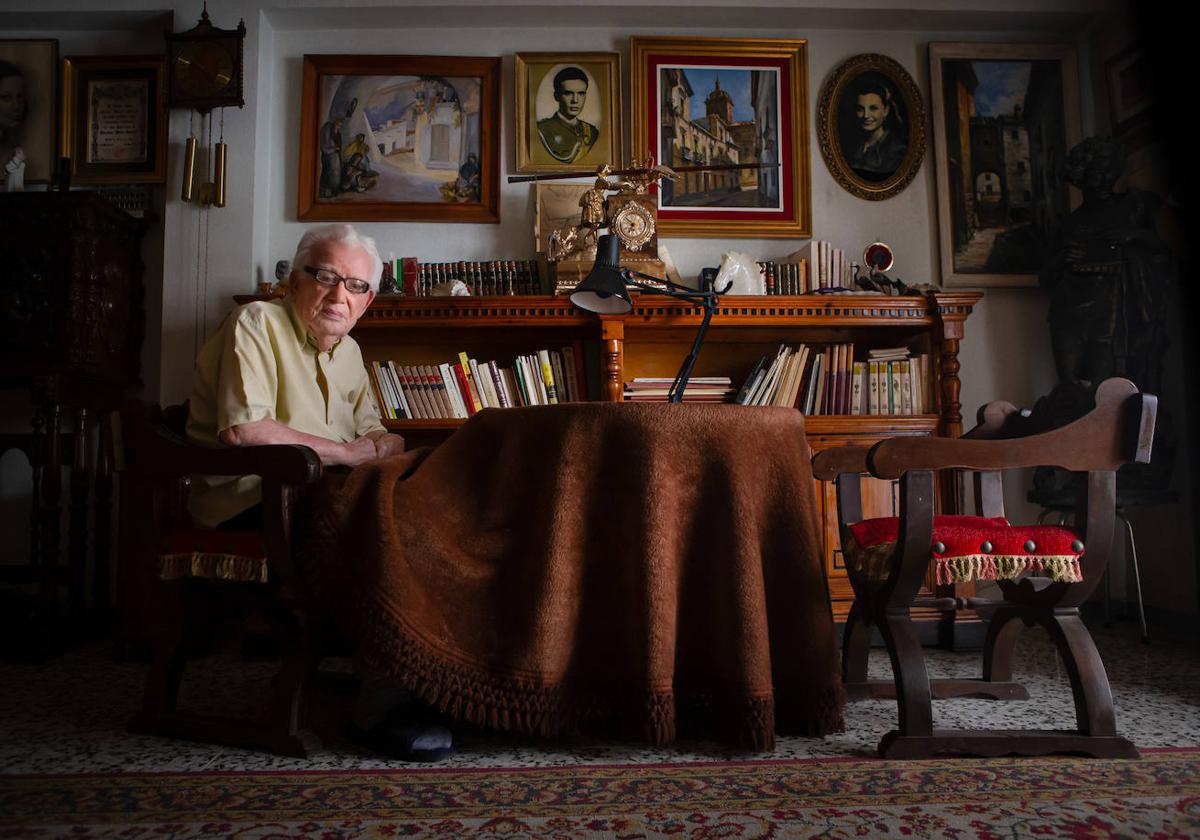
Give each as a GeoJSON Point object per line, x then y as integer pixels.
{"type": "Point", "coordinates": [603, 290]}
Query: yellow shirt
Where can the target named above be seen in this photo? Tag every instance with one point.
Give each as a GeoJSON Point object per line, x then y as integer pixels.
{"type": "Point", "coordinates": [262, 364]}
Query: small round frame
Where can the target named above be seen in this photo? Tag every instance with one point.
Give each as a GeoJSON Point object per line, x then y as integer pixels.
{"type": "Point", "coordinates": [871, 126]}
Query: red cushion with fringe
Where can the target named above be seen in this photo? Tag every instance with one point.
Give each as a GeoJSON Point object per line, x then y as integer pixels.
{"type": "Point", "coordinates": [214, 555]}
{"type": "Point", "coordinates": [971, 548]}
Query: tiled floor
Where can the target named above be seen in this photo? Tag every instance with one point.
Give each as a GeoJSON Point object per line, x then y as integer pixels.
{"type": "Point", "coordinates": [68, 715]}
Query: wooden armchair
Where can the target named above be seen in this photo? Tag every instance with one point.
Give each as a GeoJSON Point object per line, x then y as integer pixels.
{"type": "Point", "coordinates": [208, 570]}
{"type": "Point", "coordinates": [1044, 572]}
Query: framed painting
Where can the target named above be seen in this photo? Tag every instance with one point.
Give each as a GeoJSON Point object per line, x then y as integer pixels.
{"type": "Point", "coordinates": [555, 206]}
{"type": "Point", "coordinates": [568, 111]}
{"type": "Point", "coordinates": [871, 126]}
{"type": "Point", "coordinates": [1004, 118]}
{"type": "Point", "coordinates": [113, 124]}
{"type": "Point", "coordinates": [400, 138]}
{"type": "Point", "coordinates": [28, 103]}
{"type": "Point", "coordinates": [720, 102]}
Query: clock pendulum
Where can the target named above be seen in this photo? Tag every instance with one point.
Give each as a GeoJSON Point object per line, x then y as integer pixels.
{"type": "Point", "coordinates": [205, 69]}
{"type": "Point", "coordinates": [204, 72]}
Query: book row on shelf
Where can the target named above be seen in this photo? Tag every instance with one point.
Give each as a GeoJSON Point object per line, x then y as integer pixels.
{"type": "Point", "coordinates": [460, 388]}
{"type": "Point", "coordinates": [818, 265]}
{"type": "Point", "coordinates": [491, 277]}
{"type": "Point", "coordinates": [828, 380]}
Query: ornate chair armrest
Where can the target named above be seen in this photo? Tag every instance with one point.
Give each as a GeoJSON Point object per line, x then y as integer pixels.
{"type": "Point", "coordinates": [830, 463]}
{"type": "Point", "coordinates": [1101, 440]}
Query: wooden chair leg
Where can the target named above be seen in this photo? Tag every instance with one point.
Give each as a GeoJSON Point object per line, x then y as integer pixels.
{"type": "Point", "coordinates": [177, 643]}
{"type": "Point", "coordinates": [286, 734]}
{"type": "Point", "coordinates": [856, 648]}
{"type": "Point", "coordinates": [914, 700]}
{"type": "Point", "coordinates": [281, 733]}
{"type": "Point", "coordinates": [1089, 682]}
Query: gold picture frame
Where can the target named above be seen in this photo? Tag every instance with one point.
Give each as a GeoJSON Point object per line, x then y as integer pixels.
{"type": "Point", "coordinates": [895, 115]}
{"type": "Point", "coordinates": [399, 138]}
{"type": "Point", "coordinates": [590, 134]}
{"type": "Point", "coordinates": [762, 85]}
{"type": "Point", "coordinates": [113, 123]}
{"type": "Point", "coordinates": [30, 65]}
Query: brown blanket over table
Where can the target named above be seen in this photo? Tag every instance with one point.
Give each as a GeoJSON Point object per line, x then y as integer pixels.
{"type": "Point", "coordinates": [625, 568]}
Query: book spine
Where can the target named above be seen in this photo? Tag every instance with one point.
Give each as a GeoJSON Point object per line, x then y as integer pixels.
{"type": "Point", "coordinates": [439, 388]}
{"type": "Point", "coordinates": [379, 392]}
{"type": "Point", "coordinates": [464, 388]}
{"type": "Point", "coordinates": [558, 364]}
{"type": "Point", "coordinates": [456, 406]}
{"type": "Point", "coordinates": [477, 381]}
{"type": "Point", "coordinates": [894, 398]}
{"type": "Point", "coordinates": [547, 376]}
{"type": "Point", "coordinates": [498, 385]}
{"type": "Point", "coordinates": [906, 395]}
{"type": "Point", "coordinates": [465, 363]}
{"type": "Point", "coordinates": [856, 389]}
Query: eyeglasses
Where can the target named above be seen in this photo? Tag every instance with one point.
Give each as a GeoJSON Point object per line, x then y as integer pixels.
{"type": "Point", "coordinates": [331, 278]}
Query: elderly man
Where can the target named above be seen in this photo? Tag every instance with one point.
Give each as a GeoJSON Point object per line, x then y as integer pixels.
{"type": "Point", "coordinates": [287, 371]}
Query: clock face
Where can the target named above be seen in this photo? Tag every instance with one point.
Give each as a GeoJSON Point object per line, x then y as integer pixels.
{"type": "Point", "coordinates": [634, 225]}
{"type": "Point", "coordinates": [203, 68]}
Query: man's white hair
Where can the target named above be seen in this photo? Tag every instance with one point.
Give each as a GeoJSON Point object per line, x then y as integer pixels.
{"type": "Point", "coordinates": [342, 234]}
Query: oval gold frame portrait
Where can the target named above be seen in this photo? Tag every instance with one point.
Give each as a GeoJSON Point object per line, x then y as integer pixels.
{"type": "Point", "coordinates": [830, 109]}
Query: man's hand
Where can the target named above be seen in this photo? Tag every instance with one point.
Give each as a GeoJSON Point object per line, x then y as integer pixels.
{"type": "Point", "coordinates": [358, 451]}
{"type": "Point", "coordinates": [387, 445]}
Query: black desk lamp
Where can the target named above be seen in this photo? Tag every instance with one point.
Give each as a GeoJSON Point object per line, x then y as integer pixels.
{"type": "Point", "coordinates": [604, 292]}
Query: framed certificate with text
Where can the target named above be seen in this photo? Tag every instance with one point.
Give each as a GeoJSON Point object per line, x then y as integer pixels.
{"type": "Point", "coordinates": [113, 123]}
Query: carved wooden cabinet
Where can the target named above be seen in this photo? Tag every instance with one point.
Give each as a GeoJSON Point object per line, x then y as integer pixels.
{"type": "Point", "coordinates": [72, 297]}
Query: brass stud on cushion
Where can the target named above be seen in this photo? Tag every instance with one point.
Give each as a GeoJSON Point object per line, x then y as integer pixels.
{"type": "Point", "coordinates": [1030, 546]}
{"type": "Point", "coordinates": [1077, 545]}
{"type": "Point", "coordinates": [986, 548]}
{"type": "Point", "coordinates": [939, 548]}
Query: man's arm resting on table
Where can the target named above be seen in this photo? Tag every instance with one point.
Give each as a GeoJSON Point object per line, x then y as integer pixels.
{"type": "Point", "coordinates": [330, 452]}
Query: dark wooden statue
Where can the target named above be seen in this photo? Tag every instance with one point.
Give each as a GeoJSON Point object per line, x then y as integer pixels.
{"type": "Point", "coordinates": [1109, 284]}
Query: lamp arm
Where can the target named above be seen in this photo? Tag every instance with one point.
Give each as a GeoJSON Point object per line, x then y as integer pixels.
{"type": "Point", "coordinates": [630, 276]}
{"type": "Point", "coordinates": [675, 395]}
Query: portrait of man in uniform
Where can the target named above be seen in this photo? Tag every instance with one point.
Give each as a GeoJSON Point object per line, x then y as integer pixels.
{"type": "Point", "coordinates": [567, 110]}
{"type": "Point", "coordinates": [564, 134]}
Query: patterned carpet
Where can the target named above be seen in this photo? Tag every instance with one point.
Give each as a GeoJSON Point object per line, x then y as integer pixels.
{"type": "Point", "coordinates": [1157, 796]}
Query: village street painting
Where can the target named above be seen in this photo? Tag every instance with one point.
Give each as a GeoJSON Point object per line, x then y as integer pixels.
{"type": "Point", "coordinates": [713, 115]}
{"type": "Point", "coordinates": [1005, 144]}
{"type": "Point", "coordinates": [398, 139]}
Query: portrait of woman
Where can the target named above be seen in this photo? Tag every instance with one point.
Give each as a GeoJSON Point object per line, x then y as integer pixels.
{"type": "Point", "coordinates": [874, 131]}
{"type": "Point", "coordinates": [27, 72]}
{"type": "Point", "coordinates": [871, 124]}
{"type": "Point", "coordinates": [12, 117]}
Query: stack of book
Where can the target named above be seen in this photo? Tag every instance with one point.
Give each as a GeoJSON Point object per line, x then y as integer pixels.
{"type": "Point", "coordinates": [459, 389]}
{"type": "Point", "coordinates": [785, 278]}
{"type": "Point", "coordinates": [492, 277]}
{"type": "Point", "coordinates": [699, 389]}
{"type": "Point", "coordinates": [829, 267]}
{"type": "Point", "coordinates": [827, 380]}
{"type": "Point", "coordinates": [893, 381]}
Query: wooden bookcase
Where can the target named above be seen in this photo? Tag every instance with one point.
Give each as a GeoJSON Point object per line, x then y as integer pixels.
{"type": "Point", "coordinates": [653, 339]}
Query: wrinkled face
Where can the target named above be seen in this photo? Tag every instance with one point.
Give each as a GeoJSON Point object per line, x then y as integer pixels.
{"type": "Point", "coordinates": [331, 312]}
{"type": "Point", "coordinates": [871, 111]}
{"type": "Point", "coordinates": [571, 97]}
{"type": "Point", "coordinates": [12, 101]}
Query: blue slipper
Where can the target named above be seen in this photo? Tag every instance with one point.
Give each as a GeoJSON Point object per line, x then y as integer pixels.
{"type": "Point", "coordinates": [405, 739]}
